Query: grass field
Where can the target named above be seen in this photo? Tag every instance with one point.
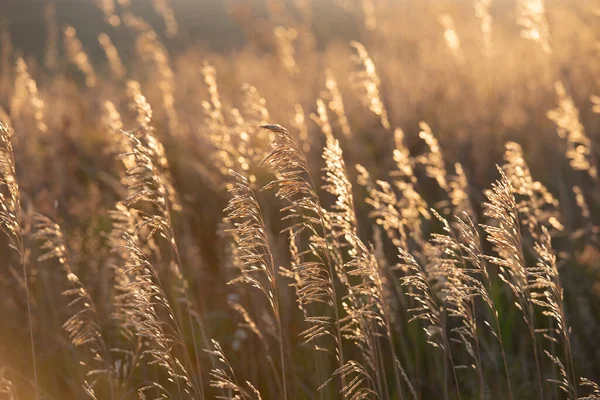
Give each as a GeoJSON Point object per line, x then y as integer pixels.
{"type": "Point", "coordinates": [365, 199]}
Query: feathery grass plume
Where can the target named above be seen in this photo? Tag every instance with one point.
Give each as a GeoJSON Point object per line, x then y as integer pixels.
{"type": "Point", "coordinates": [336, 103]}
{"type": "Point", "coordinates": [239, 142]}
{"type": "Point", "coordinates": [250, 234]}
{"type": "Point", "coordinates": [365, 280]}
{"type": "Point", "coordinates": [372, 288]}
{"type": "Point", "coordinates": [322, 120]}
{"type": "Point", "coordinates": [149, 181]}
{"type": "Point", "coordinates": [505, 237]}
{"type": "Point", "coordinates": [547, 293]}
{"type": "Point", "coordinates": [123, 221]}
{"type": "Point", "coordinates": [78, 57]}
{"type": "Point", "coordinates": [383, 200]}
{"type": "Point", "coordinates": [214, 108]}
{"type": "Point", "coordinates": [593, 386]}
{"type": "Point", "coordinates": [108, 9]}
{"type": "Point", "coordinates": [225, 156]}
{"type": "Point", "coordinates": [362, 302]}
{"type": "Point", "coordinates": [458, 192]}
{"type": "Point", "coordinates": [359, 326]}
{"type": "Point", "coordinates": [460, 289]}
{"type": "Point", "coordinates": [147, 184]}
{"type": "Point", "coordinates": [117, 143]}
{"type": "Point", "coordinates": [26, 99]}
{"type": "Point", "coordinates": [255, 106]}
{"type": "Point", "coordinates": [537, 206]}
{"type": "Point", "coordinates": [150, 49]}
{"type": "Point", "coordinates": [294, 260]}
{"type": "Point", "coordinates": [298, 122]}
{"type": "Point", "coordinates": [248, 153]}
{"type": "Point", "coordinates": [366, 79]}
{"type": "Point", "coordinates": [251, 142]}
{"type": "Point", "coordinates": [11, 205]}
{"type": "Point", "coordinates": [112, 121]}
{"type": "Point", "coordinates": [83, 326]}
{"type": "Point", "coordinates": [360, 321]}
{"type": "Point", "coordinates": [470, 246]}
{"type": "Point", "coordinates": [284, 41]}
{"type": "Point", "coordinates": [404, 162]}
{"type": "Point", "coordinates": [411, 204]}
{"type": "Point", "coordinates": [160, 336]}
{"type": "Point", "coordinates": [225, 378]}
{"type": "Point", "coordinates": [250, 325]}
{"type": "Point", "coordinates": [433, 160]}
{"type": "Point", "coordinates": [357, 377]}
{"type": "Point", "coordinates": [316, 278]}
{"type": "Point", "coordinates": [342, 218]}
{"type": "Point", "coordinates": [450, 36]}
{"type": "Point", "coordinates": [11, 225]}
{"type": "Point", "coordinates": [531, 16]}
{"type": "Point", "coordinates": [590, 231]}
{"type": "Point", "coordinates": [255, 110]}
{"type": "Point", "coordinates": [421, 288]}
{"type": "Point", "coordinates": [153, 53]}
{"type": "Point", "coordinates": [570, 129]}
{"type": "Point", "coordinates": [399, 217]}
{"type": "Point", "coordinates": [140, 105]}
{"type": "Point", "coordinates": [292, 274]}
{"type": "Point", "coordinates": [112, 55]}
{"type": "Point", "coordinates": [148, 151]}
{"type": "Point", "coordinates": [164, 9]}
{"type": "Point", "coordinates": [51, 50]}
{"type": "Point", "coordinates": [111, 117]}
{"type": "Point", "coordinates": [482, 11]}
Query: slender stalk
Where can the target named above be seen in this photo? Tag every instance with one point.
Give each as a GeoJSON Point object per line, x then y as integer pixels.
{"type": "Point", "coordinates": [340, 347]}
{"type": "Point", "coordinates": [531, 320]}
{"type": "Point", "coordinates": [503, 352]}
{"type": "Point", "coordinates": [380, 361]}
{"type": "Point", "coordinates": [448, 354]}
{"type": "Point", "coordinates": [388, 329]}
{"type": "Point", "coordinates": [301, 191]}
{"type": "Point", "coordinates": [331, 276]}
{"type": "Point", "coordinates": [187, 301]}
{"type": "Point", "coordinates": [29, 316]}
{"type": "Point", "coordinates": [11, 225]}
{"type": "Point", "coordinates": [245, 213]}
{"type": "Point", "coordinates": [282, 358]}
{"type": "Point", "coordinates": [381, 370]}
{"type": "Point", "coordinates": [277, 311]}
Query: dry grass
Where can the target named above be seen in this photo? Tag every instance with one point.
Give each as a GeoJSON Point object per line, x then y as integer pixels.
{"type": "Point", "coordinates": [422, 224]}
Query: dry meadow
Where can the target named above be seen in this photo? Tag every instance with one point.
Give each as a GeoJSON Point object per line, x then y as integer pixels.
{"type": "Point", "coordinates": [361, 199]}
